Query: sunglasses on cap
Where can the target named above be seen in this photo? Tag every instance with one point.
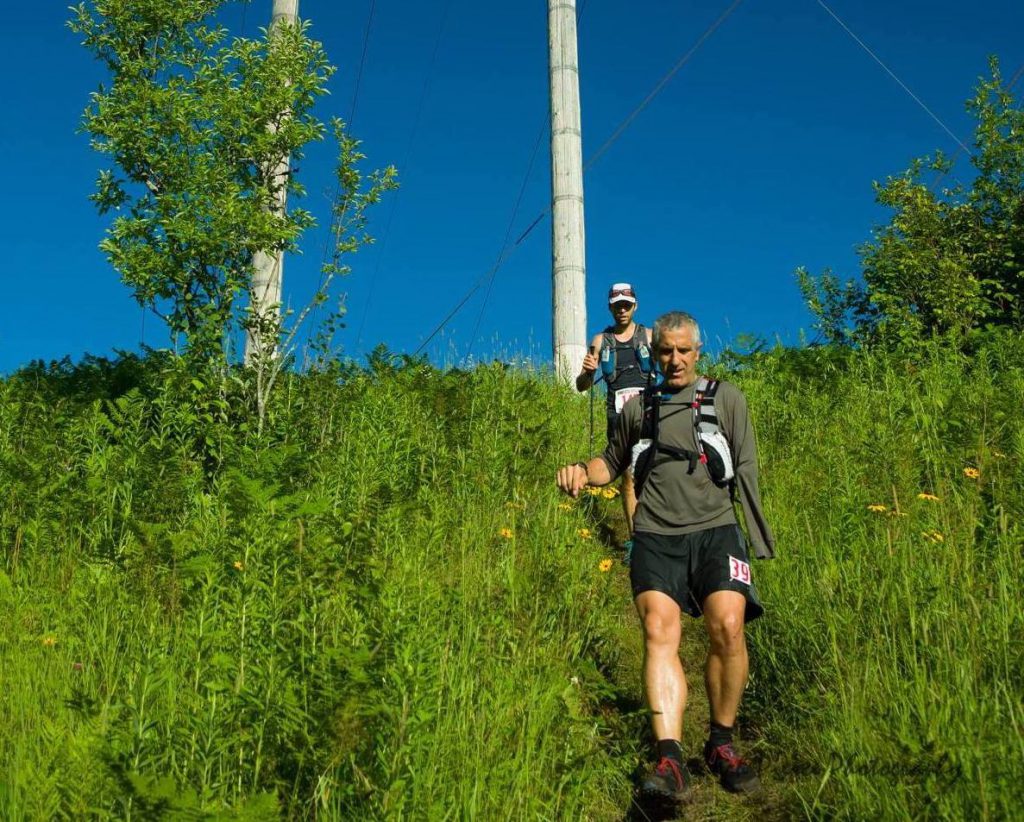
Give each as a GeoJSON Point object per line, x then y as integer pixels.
{"type": "Point", "coordinates": [620, 292]}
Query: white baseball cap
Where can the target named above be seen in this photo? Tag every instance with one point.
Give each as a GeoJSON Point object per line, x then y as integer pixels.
{"type": "Point", "coordinates": [621, 293]}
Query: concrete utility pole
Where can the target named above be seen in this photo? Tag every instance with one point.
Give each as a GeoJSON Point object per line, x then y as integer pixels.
{"type": "Point", "coordinates": [268, 267]}
{"type": "Point", "coordinates": [568, 265]}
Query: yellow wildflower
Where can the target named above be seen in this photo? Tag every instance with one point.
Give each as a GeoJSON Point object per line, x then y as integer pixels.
{"type": "Point", "coordinates": [999, 455]}
{"type": "Point", "coordinates": [609, 493]}
{"type": "Point", "coordinates": [605, 565]}
{"type": "Point", "coordinates": [564, 506]}
{"type": "Point", "coordinates": [877, 508]}
{"type": "Point", "coordinates": [585, 533]}
{"type": "Point", "coordinates": [49, 641]}
{"type": "Point", "coordinates": [929, 497]}
{"type": "Point", "coordinates": [972, 473]}
{"type": "Point", "coordinates": [506, 533]}
{"type": "Point", "coordinates": [933, 536]}
{"type": "Point", "coordinates": [237, 565]}
{"type": "Point", "coordinates": [593, 491]}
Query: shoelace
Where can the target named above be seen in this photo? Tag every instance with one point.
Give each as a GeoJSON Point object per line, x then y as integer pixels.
{"type": "Point", "coordinates": [728, 755]}
{"type": "Point", "coordinates": [666, 764]}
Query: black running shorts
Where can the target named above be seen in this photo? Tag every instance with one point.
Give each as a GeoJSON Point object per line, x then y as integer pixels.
{"type": "Point", "coordinates": [689, 567]}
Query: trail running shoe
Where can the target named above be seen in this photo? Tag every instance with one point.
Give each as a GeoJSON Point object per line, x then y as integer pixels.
{"type": "Point", "coordinates": [667, 782]}
{"type": "Point", "coordinates": [734, 772]}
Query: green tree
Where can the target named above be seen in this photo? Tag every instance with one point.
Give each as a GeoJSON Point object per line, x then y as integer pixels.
{"type": "Point", "coordinates": [947, 261]}
{"type": "Point", "coordinates": [195, 124]}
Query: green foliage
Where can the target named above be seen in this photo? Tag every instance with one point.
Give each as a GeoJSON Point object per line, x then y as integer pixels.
{"type": "Point", "coordinates": [295, 627]}
{"type": "Point", "coordinates": [946, 262]}
{"type": "Point", "coordinates": [881, 674]}
{"type": "Point", "coordinates": [376, 607]}
{"type": "Point", "coordinates": [197, 127]}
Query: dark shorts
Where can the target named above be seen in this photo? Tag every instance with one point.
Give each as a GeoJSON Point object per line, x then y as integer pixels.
{"type": "Point", "coordinates": [690, 567]}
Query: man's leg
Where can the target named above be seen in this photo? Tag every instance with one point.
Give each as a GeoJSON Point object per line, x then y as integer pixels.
{"type": "Point", "coordinates": [664, 680]}
{"type": "Point", "coordinates": [665, 689]}
{"type": "Point", "coordinates": [726, 671]}
{"type": "Point", "coordinates": [725, 676]}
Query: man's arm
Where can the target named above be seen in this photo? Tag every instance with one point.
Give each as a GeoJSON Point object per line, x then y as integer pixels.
{"type": "Point", "coordinates": [740, 433]}
{"type": "Point", "coordinates": [585, 378]}
{"type": "Point", "coordinates": [605, 468]}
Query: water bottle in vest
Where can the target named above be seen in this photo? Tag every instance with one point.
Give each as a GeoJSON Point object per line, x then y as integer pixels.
{"type": "Point", "coordinates": [607, 363]}
{"type": "Point", "coordinates": [643, 358]}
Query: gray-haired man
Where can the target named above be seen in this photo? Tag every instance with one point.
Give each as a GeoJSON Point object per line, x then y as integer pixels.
{"type": "Point", "coordinates": [689, 553]}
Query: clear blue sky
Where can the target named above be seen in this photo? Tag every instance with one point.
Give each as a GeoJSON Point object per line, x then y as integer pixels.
{"type": "Point", "coordinates": [756, 158]}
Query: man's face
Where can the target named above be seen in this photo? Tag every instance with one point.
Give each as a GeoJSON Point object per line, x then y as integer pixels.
{"type": "Point", "coordinates": [677, 357]}
{"type": "Point", "coordinates": [622, 311]}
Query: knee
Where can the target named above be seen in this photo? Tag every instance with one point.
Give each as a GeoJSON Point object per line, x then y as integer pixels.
{"type": "Point", "coordinates": [726, 635]}
{"type": "Point", "coordinates": [660, 629]}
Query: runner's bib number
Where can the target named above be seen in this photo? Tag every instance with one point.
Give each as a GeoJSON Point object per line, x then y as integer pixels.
{"type": "Point", "coordinates": [624, 395]}
{"type": "Point", "coordinates": [739, 570]}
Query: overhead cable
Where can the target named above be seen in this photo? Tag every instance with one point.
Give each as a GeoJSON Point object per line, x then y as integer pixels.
{"type": "Point", "coordinates": [508, 233]}
{"type": "Point", "coordinates": [892, 74]}
{"type": "Point", "coordinates": [405, 162]}
{"type": "Point", "coordinates": [507, 250]}
{"type": "Point", "coordinates": [362, 62]}
{"type": "Point", "coordinates": [952, 160]}
{"type": "Point", "coordinates": [337, 218]}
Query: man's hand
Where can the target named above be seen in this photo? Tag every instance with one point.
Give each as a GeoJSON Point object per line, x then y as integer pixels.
{"type": "Point", "coordinates": [585, 378]}
{"type": "Point", "coordinates": [572, 479]}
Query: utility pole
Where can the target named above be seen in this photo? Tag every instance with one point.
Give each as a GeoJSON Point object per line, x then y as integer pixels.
{"type": "Point", "coordinates": [568, 265]}
{"type": "Point", "coordinates": [268, 267]}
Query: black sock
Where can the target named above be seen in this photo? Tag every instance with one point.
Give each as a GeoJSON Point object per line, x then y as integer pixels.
{"type": "Point", "coordinates": [670, 748]}
{"type": "Point", "coordinates": [720, 734]}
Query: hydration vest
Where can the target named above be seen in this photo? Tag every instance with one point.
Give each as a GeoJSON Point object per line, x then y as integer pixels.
{"type": "Point", "coordinates": [610, 366]}
{"type": "Point", "coordinates": [712, 446]}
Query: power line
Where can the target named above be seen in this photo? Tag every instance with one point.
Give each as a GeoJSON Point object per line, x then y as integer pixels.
{"type": "Point", "coordinates": [336, 219]}
{"type": "Point", "coordinates": [952, 160]}
{"type": "Point", "coordinates": [892, 74]}
{"type": "Point", "coordinates": [507, 250]}
{"type": "Point", "coordinates": [408, 154]}
{"type": "Point", "coordinates": [661, 84]}
{"type": "Point", "coordinates": [508, 233]}
{"type": "Point", "coordinates": [362, 62]}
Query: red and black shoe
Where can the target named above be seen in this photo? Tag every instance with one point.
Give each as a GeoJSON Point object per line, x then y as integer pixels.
{"type": "Point", "coordinates": [666, 782]}
{"type": "Point", "coordinates": [733, 771]}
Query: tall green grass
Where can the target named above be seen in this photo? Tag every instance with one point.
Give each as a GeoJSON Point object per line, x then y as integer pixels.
{"type": "Point", "coordinates": [887, 675]}
{"type": "Point", "coordinates": [375, 611]}
{"type": "Point", "coordinates": [379, 607]}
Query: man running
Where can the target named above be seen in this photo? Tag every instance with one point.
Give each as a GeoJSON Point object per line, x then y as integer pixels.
{"type": "Point", "coordinates": [689, 553]}
{"type": "Point", "coordinates": [622, 351]}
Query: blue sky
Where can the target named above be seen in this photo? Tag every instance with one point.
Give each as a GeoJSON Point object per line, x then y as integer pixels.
{"type": "Point", "coordinates": [756, 158]}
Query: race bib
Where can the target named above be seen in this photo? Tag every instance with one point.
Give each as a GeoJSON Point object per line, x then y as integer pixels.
{"type": "Point", "coordinates": [624, 395]}
{"type": "Point", "coordinates": [739, 570]}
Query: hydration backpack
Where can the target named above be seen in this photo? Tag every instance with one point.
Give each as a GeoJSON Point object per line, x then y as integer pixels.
{"type": "Point", "coordinates": [609, 364]}
{"type": "Point", "coordinates": [713, 450]}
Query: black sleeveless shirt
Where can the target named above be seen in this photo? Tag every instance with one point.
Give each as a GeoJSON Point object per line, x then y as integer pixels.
{"type": "Point", "coordinates": [628, 373]}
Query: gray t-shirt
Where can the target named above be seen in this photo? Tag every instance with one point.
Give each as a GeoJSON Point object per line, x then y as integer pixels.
{"type": "Point", "coordinates": [676, 501]}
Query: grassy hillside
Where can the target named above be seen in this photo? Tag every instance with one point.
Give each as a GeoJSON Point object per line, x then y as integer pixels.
{"type": "Point", "coordinates": [379, 607]}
